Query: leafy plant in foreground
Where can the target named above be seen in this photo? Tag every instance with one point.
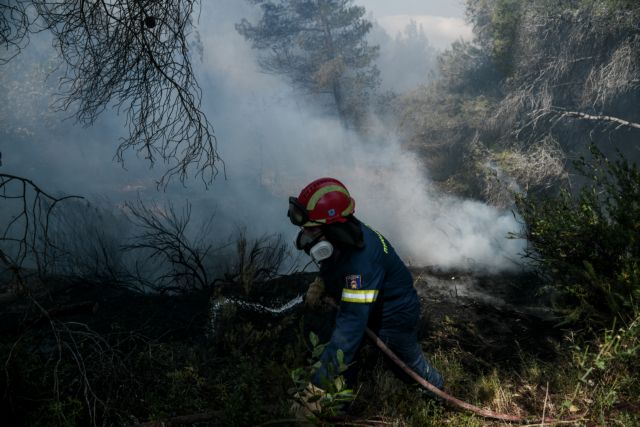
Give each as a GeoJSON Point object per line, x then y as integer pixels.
{"type": "Point", "coordinates": [336, 393]}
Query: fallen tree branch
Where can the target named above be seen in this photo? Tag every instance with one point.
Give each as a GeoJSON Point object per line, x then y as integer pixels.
{"type": "Point", "coordinates": [579, 115]}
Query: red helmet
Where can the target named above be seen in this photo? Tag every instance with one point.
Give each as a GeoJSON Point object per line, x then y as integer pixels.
{"type": "Point", "coordinates": [324, 201]}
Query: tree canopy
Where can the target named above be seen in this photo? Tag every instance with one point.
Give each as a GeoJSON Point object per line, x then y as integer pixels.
{"type": "Point", "coordinates": [321, 47]}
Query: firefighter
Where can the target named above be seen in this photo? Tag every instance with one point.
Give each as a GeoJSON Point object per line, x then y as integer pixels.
{"type": "Point", "coordinates": [358, 267]}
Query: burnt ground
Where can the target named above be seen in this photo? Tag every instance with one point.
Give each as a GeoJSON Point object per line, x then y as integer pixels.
{"type": "Point", "coordinates": [495, 315]}
{"type": "Point", "coordinates": [105, 308]}
{"type": "Point", "coordinates": [498, 318]}
{"type": "Point", "coordinates": [495, 318]}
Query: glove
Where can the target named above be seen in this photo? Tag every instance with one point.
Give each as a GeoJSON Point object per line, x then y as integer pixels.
{"type": "Point", "coordinates": [307, 403]}
{"type": "Point", "coordinates": [313, 298]}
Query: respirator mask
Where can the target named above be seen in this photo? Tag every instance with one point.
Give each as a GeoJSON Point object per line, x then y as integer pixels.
{"type": "Point", "coordinates": [318, 249]}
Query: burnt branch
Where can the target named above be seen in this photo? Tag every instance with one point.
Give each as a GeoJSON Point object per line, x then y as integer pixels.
{"type": "Point", "coordinates": [25, 235]}
{"type": "Point", "coordinates": [74, 350]}
{"type": "Point", "coordinates": [14, 27]}
{"type": "Point", "coordinates": [133, 56]}
{"type": "Point", "coordinates": [256, 261]}
{"type": "Point", "coordinates": [165, 237]}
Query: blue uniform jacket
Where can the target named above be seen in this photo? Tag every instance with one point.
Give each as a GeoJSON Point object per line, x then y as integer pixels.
{"type": "Point", "coordinates": [374, 288]}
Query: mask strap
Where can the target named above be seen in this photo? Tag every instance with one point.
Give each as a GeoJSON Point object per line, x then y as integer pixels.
{"type": "Point", "coordinates": [306, 247]}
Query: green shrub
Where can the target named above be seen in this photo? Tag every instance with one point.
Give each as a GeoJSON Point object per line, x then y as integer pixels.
{"type": "Point", "coordinates": [588, 244]}
{"type": "Point", "coordinates": [607, 371]}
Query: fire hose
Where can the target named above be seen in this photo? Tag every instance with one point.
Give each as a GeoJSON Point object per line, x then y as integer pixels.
{"type": "Point", "coordinates": [485, 413]}
{"type": "Point", "coordinates": [454, 401]}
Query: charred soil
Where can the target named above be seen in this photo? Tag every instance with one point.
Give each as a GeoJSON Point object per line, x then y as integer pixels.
{"type": "Point", "coordinates": [159, 344]}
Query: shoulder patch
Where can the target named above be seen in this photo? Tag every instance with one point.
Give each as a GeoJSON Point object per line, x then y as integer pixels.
{"type": "Point", "coordinates": [353, 281]}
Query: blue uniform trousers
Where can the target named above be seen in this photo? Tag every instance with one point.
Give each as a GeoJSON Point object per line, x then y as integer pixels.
{"type": "Point", "coordinates": [404, 343]}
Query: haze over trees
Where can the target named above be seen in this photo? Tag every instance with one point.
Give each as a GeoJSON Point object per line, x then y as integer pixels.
{"type": "Point", "coordinates": [321, 47]}
{"type": "Point", "coordinates": [407, 59]}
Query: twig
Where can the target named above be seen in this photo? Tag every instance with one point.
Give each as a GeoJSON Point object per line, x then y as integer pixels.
{"type": "Point", "coordinates": [114, 58]}
{"type": "Point", "coordinates": [29, 224]}
{"type": "Point", "coordinates": [544, 406]}
{"type": "Point", "coordinates": [69, 310]}
{"type": "Point", "coordinates": [572, 421]}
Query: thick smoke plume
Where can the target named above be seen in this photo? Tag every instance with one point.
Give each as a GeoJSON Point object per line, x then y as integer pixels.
{"type": "Point", "coordinates": [273, 142]}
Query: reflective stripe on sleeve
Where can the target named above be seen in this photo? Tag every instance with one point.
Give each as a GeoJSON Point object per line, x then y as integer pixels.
{"type": "Point", "coordinates": [359, 295]}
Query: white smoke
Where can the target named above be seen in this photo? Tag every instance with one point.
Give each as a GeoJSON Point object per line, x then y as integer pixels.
{"type": "Point", "coordinates": [273, 143]}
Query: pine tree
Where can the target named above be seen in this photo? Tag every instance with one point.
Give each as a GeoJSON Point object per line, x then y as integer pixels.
{"type": "Point", "coordinates": [320, 46]}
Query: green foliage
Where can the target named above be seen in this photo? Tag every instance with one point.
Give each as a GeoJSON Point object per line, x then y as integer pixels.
{"type": "Point", "coordinates": [336, 393]}
{"type": "Point", "coordinates": [126, 378]}
{"type": "Point", "coordinates": [496, 25]}
{"type": "Point", "coordinates": [589, 245]}
{"type": "Point", "coordinates": [531, 60]}
{"type": "Point", "coordinates": [246, 377]}
{"type": "Point", "coordinates": [182, 385]}
{"type": "Point", "coordinates": [466, 68]}
{"type": "Point", "coordinates": [504, 31]}
{"type": "Point", "coordinates": [438, 125]}
{"type": "Point", "coordinates": [607, 368]}
{"type": "Point", "coordinates": [67, 411]}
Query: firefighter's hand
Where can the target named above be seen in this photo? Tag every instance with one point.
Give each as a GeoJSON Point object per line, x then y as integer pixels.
{"type": "Point", "coordinates": [314, 295]}
{"type": "Point", "coordinates": [307, 403]}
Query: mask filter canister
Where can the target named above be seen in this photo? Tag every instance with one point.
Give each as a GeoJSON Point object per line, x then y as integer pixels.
{"type": "Point", "coordinates": [321, 251]}
{"type": "Point", "coordinates": [315, 246]}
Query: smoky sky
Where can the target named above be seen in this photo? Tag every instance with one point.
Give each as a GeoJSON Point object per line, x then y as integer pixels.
{"type": "Point", "coordinates": [443, 21]}
{"type": "Point", "coordinates": [273, 141]}
{"type": "Point", "coordinates": [448, 8]}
